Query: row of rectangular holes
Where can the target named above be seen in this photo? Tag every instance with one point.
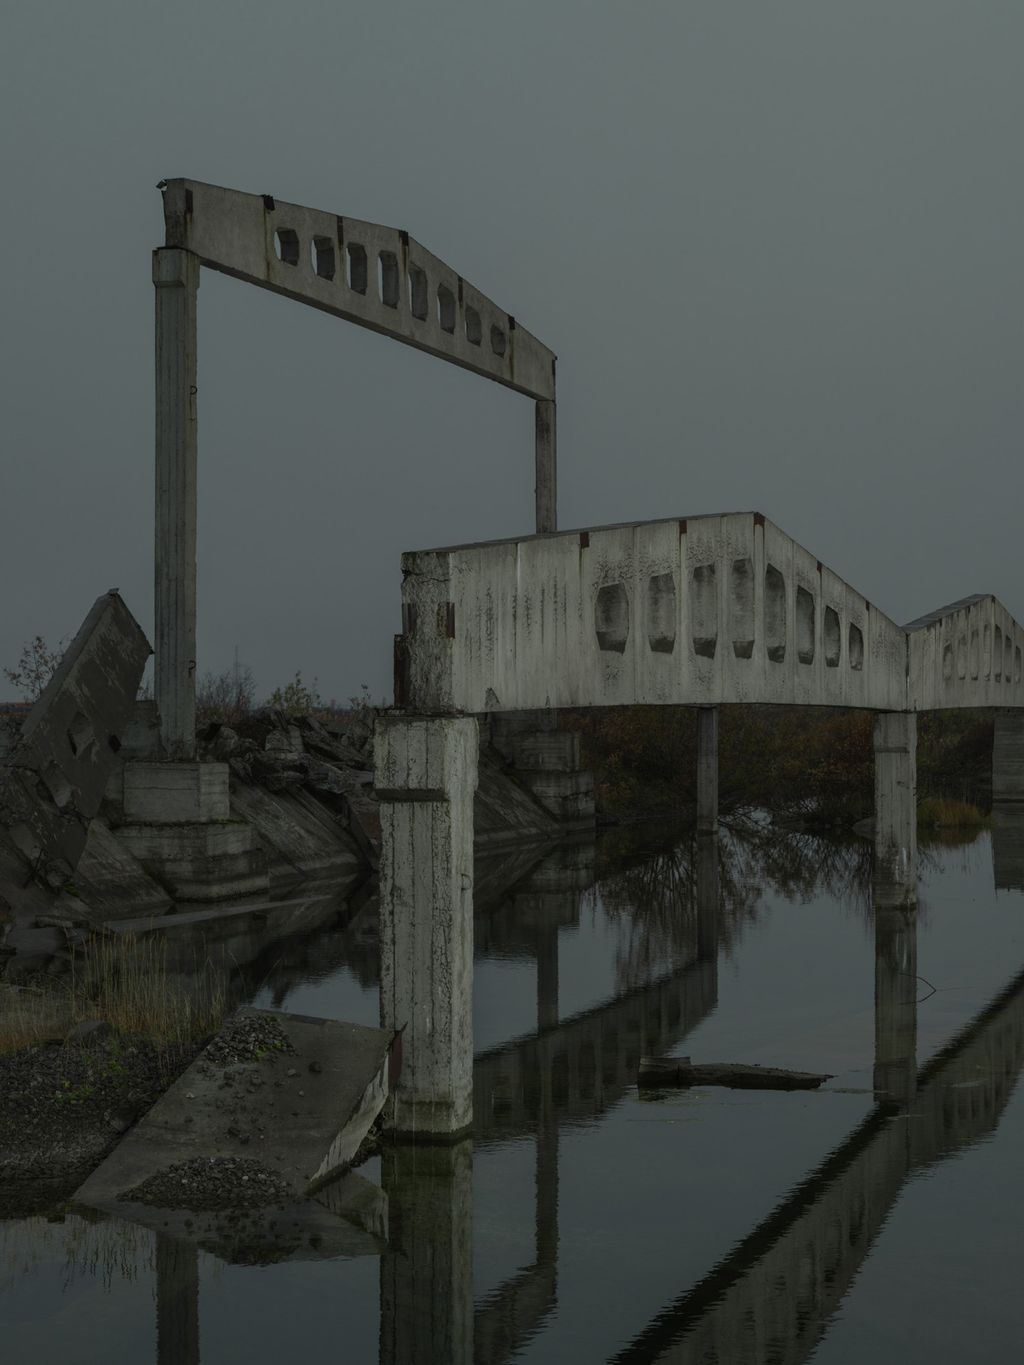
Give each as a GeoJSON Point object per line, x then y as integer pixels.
{"type": "Point", "coordinates": [611, 617]}
{"type": "Point", "coordinates": [323, 259]}
{"type": "Point", "coordinates": [1003, 663]}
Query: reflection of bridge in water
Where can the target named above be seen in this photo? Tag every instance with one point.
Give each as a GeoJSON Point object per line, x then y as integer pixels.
{"type": "Point", "coordinates": [771, 1297]}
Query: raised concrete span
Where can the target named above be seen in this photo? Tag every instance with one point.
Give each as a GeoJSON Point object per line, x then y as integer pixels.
{"type": "Point", "coordinates": [698, 612]}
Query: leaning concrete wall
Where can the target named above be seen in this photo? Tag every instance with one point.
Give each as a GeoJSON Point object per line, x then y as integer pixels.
{"type": "Point", "coordinates": [55, 778]}
{"type": "Point", "coordinates": [707, 610]}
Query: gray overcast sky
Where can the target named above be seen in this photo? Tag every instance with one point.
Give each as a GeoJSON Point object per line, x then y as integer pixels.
{"type": "Point", "coordinates": [777, 247]}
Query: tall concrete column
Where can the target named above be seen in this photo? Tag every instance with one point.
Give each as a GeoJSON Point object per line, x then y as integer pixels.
{"type": "Point", "coordinates": [546, 453]}
{"type": "Point", "coordinates": [895, 873]}
{"type": "Point", "coordinates": [176, 277]}
{"type": "Point", "coordinates": [426, 1273]}
{"type": "Point", "coordinates": [426, 774]}
{"type": "Point", "coordinates": [895, 1078]}
{"type": "Point", "coordinates": [707, 770]}
{"type": "Point", "coordinates": [1008, 756]}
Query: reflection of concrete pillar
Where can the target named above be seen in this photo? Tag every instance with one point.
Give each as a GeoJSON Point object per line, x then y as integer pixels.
{"type": "Point", "coordinates": [546, 488]}
{"type": "Point", "coordinates": [895, 1005]}
{"type": "Point", "coordinates": [706, 856]}
{"type": "Point", "coordinates": [425, 773]}
{"type": "Point", "coordinates": [1008, 845]}
{"type": "Point", "coordinates": [547, 976]}
{"type": "Point", "coordinates": [1008, 756]}
{"type": "Point", "coordinates": [426, 1274]}
{"type": "Point", "coordinates": [707, 770]}
{"type": "Point", "coordinates": [177, 1302]}
{"type": "Point", "coordinates": [176, 277]}
{"type": "Point", "coordinates": [896, 808]}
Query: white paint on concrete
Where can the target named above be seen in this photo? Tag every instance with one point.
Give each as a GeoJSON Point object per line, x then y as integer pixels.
{"type": "Point", "coordinates": [426, 774]}
{"type": "Point", "coordinates": [895, 871]}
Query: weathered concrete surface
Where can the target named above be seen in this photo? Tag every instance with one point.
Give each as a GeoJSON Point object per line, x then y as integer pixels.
{"type": "Point", "coordinates": [54, 779]}
{"type": "Point", "coordinates": [112, 883]}
{"type": "Point", "coordinates": [304, 1116]}
{"type": "Point", "coordinates": [966, 654]}
{"type": "Point", "coordinates": [1008, 845]}
{"type": "Point", "coordinates": [547, 761]}
{"type": "Point", "coordinates": [378, 277]}
{"type": "Point", "coordinates": [709, 610]}
{"type": "Point", "coordinates": [176, 279]}
{"type": "Point", "coordinates": [895, 871]}
{"type": "Point", "coordinates": [426, 772]}
{"type": "Point", "coordinates": [176, 793]}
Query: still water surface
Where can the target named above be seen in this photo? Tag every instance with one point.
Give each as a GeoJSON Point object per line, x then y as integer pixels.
{"type": "Point", "coordinates": [876, 1219]}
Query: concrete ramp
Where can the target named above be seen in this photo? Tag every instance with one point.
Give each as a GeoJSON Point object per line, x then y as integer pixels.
{"type": "Point", "coordinates": [279, 1101]}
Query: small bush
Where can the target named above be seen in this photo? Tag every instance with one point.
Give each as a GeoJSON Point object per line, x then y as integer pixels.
{"type": "Point", "coordinates": [939, 812]}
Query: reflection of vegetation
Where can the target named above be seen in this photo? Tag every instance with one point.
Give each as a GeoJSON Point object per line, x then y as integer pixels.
{"type": "Point", "coordinates": [98, 1248]}
{"type": "Point", "coordinates": [659, 900]}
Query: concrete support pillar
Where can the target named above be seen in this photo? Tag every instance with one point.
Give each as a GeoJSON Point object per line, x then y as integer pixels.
{"type": "Point", "coordinates": [1008, 756]}
{"type": "Point", "coordinates": [426, 774]}
{"type": "Point", "coordinates": [426, 1274]}
{"type": "Point", "coordinates": [176, 277]}
{"type": "Point", "coordinates": [177, 1302]}
{"type": "Point", "coordinates": [707, 770]}
{"type": "Point", "coordinates": [895, 1005]}
{"type": "Point", "coordinates": [546, 451]}
{"type": "Point", "coordinates": [895, 873]}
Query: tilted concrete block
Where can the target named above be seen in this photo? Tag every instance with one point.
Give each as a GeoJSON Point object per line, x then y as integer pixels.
{"type": "Point", "coordinates": [54, 780]}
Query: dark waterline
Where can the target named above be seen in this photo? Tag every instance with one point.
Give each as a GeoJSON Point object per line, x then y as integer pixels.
{"type": "Point", "coordinates": [874, 1219]}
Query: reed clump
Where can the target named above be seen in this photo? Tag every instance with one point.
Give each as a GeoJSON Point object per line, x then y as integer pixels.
{"type": "Point", "coordinates": [128, 983]}
{"type": "Point", "coordinates": [941, 812]}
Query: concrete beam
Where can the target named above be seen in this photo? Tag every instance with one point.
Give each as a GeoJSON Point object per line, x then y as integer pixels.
{"type": "Point", "coordinates": [895, 873]}
{"type": "Point", "coordinates": [375, 276]}
{"type": "Point", "coordinates": [426, 774]}
{"type": "Point", "coordinates": [176, 277]}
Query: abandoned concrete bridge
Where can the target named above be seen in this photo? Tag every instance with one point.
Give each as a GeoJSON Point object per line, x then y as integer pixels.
{"type": "Point", "coordinates": [699, 611]}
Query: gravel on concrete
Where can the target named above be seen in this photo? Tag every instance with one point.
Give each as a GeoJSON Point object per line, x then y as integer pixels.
{"type": "Point", "coordinates": [208, 1183]}
{"type": "Point", "coordinates": [247, 1038]}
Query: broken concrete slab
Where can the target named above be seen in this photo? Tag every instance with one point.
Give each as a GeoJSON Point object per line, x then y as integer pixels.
{"type": "Point", "coordinates": [296, 1094]}
{"type": "Point", "coordinates": [53, 780]}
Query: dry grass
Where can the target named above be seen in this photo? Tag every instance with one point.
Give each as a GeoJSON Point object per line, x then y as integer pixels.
{"type": "Point", "coordinates": [939, 812]}
{"type": "Point", "coordinates": [126, 982]}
